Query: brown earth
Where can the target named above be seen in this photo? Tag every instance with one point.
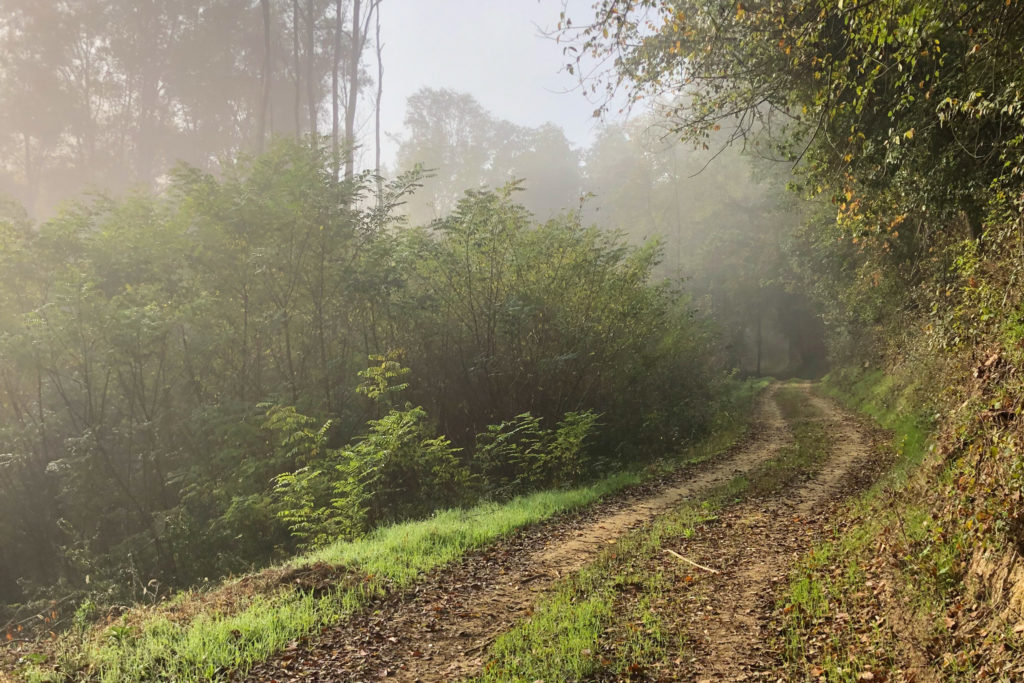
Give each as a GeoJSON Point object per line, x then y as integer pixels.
{"type": "Point", "coordinates": [754, 545]}
{"type": "Point", "coordinates": [441, 629]}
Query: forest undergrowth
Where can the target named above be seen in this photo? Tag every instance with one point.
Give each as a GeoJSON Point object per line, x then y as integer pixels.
{"type": "Point", "coordinates": [211, 634]}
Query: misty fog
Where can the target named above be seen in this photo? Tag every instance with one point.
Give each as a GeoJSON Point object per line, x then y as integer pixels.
{"type": "Point", "coordinates": [215, 212]}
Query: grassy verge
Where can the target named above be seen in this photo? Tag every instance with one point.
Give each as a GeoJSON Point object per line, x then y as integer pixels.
{"type": "Point", "coordinates": [563, 640]}
{"type": "Point", "coordinates": [894, 406]}
{"type": "Point", "coordinates": [837, 616]}
{"type": "Point", "coordinates": [215, 640]}
{"type": "Point", "coordinates": [212, 644]}
{"type": "Point", "coordinates": [617, 617]}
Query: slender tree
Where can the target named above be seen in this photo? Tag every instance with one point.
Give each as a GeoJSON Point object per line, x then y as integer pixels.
{"type": "Point", "coordinates": [339, 28]}
{"type": "Point", "coordinates": [296, 68]}
{"type": "Point", "coordinates": [360, 27]}
{"type": "Point", "coordinates": [266, 76]}
{"type": "Point", "coordinates": [376, 114]}
{"type": "Point", "coordinates": [312, 100]}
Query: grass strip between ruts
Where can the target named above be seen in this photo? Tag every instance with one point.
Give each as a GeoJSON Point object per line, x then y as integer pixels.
{"type": "Point", "coordinates": [829, 628]}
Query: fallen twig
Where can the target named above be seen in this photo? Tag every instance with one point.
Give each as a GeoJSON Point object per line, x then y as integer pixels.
{"type": "Point", "coordinates": [673, 553]}
{"type": "Point", "coordinates": [486, 643]}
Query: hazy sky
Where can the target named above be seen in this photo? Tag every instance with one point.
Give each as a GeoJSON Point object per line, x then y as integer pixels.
{"type": "Point", "coordinates": [491, 49]}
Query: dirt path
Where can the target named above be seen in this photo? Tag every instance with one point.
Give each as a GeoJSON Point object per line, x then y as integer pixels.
{"type": "Point", "coordinates": [755, 545]}
{"type": "Point", "coordinates": [442, 630]}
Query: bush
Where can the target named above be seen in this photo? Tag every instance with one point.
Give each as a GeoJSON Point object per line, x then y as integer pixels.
{"type": "Point", "coordinates": [401, 469]}
{"type": "Point", "coordinates": [519, 455]}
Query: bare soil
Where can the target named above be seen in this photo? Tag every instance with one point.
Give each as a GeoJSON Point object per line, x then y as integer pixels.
{"type": "Point", "coordinates": [732, 621]}
{"type": "Point", "coordinates": [441, 629]}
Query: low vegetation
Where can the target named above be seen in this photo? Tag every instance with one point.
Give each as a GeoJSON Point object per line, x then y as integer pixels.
{"type": "Point", "coordinates": [835, 623]}
{"type": "Point", "coordinates": [566, 637]}
{"type": "Point", "coordinates": [210, 634]}
{"type": "Point", "coordinates": [210, 640]}
{"type": "Point", "coordinates": [893, 591]}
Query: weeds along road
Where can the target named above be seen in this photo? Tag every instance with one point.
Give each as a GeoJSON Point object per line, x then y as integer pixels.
{"type": "Point", "coordinates": [759, 540]}
{"type": "Point", "coordinates": [802, 454]}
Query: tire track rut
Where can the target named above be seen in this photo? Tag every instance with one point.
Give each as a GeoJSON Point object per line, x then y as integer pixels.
{"type": "Point", "coordinates": [756, 544]}
{"type": "Point", "coordinates": [442, 629]}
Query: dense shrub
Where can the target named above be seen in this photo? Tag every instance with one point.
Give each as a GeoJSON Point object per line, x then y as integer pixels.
{"type": "Point", "coordinates": [141, 341]}
{"type": "Point", "coordinates": [398, 470]}
{"type": "Point", "coordinates": [517, 455]}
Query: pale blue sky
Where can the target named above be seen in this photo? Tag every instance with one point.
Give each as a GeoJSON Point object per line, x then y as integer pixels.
{"type": "Point", "coordinates": [491, 49]}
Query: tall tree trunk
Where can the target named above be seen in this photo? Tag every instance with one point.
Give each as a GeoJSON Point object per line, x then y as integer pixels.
{"type": "Point", "coordinates": [339, 27]}
{"type": "Point", "coordinates": [760, 339]}
{"type": "Point", "coordinates": [310, 68]}
{"type": "Point", "coordinates": [973, 214]}
{"type": "Point", "coordinates": [146, 139]}
{"type": "Point", "coordinates": [31, 184]}
{"type": "Point", "coordinates": [380, 94]}
{"type": "Point", "coordinates": [267, 65]}
{"type": "Point", "coordinates": [297, 68]}
{"type": "Point", "coordinates": [353, 91]}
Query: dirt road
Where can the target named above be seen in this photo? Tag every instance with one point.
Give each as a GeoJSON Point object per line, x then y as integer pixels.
{"type": "Point", "coordinates": [441, 631]}
{"type": "Point", "coordinates": [755, 544]}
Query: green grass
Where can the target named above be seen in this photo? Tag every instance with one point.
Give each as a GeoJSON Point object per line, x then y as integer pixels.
{"type": "Point", "coordinates": [402, 552]}
{"type": "Point", "coordinates": [793, 403]}
{"type": "Point", "coordinates": [893, 405]}
{"type": "Point", "coordinates": [214, 644]}
{"type": "Point", "coordinates": [805, 455]}
{"type": "Point", "coordinates": [563, 639]}
{"type": "Point", "coordinates": [566, 638]}
{"type": "Point", "coordinates": [837, 577]}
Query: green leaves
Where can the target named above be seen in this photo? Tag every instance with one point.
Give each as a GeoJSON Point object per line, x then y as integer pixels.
{"type": "Point", "coordinates": [378, 379]}
{"type": "Point", "coordinates": [399, 470]}
{"type": "Point", "coordinates": [519, 455]}
{"type": "Point", "coordinates": [861, 73]}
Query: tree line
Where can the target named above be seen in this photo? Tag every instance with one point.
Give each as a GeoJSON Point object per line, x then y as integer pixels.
{"type": "Point", "coordinates": [723, 216]}
{"type": "Point", "coordinates": [167, 358]}
{"type": "Point", "coordinates": [110, 94]}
